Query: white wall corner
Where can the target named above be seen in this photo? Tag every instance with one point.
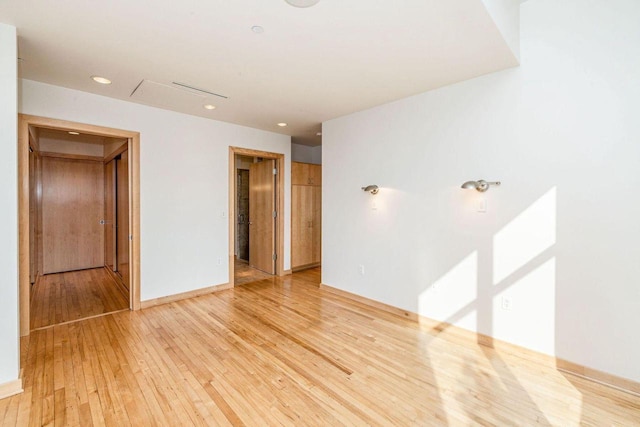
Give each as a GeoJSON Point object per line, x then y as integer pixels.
{"type": "Point", "coordinates": [506, 15]}
{"type": "Point", "coordinates": [9, 325]}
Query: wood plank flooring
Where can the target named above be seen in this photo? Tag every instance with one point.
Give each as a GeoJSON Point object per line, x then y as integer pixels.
{"type": "Point", "coordinates": [281, 351]}
{"type": "Point", "coordinates": [63, 297]}
{"type": "Point", "coordinates": [244, 274]}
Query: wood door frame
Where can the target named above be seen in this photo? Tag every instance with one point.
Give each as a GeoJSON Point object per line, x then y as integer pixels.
{"type": "Point", "coordinates": [235, 203]}
{"type": "Point", "coordinates": [279, 158]}
{"type": "Point", "coordinates": [24, 123]}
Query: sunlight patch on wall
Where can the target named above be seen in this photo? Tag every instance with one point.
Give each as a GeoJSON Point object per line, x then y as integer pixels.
{"type": "Point", "coordinates": [525, 237]}
{"type": "Point", "coordinates": [454, 292]}
{"type": "Point", "coordinates": [528, 319]}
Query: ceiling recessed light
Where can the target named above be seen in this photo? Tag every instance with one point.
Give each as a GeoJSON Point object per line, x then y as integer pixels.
{"type": "Point", "coordinates": [101, 80]}
{"type": "Point", "coordinates": [282, 124]}
{"type": "Point", "coordinates": [257, 29]}
{"type": "Point", "coordinates": [74, 133]}
{"type": "Point", "coordinates": [319, 134]}
{"type": "Point", "coordinates": [302, 3]}
{"type": "Point", "coordinates": [210, 107]}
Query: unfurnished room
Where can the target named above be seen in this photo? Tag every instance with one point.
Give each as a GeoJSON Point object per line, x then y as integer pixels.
{"type": "Point", "coordinates": [320, 212]}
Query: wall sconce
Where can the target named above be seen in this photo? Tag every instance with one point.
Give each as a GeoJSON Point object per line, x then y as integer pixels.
{"type": "Point", "coordinates": [302, 3]}
{"type": "Point", "coordinates": [480, 185]}
{"type": "Point", "coordinates": [373, 189]}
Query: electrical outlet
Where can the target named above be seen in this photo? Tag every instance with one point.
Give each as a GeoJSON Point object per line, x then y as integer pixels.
{"type": "Point", "coordinates": [223, 214]}
{"type": "Point", "coordinates": [219, 261]}
{"type": "Point", "coordinates": [361, 270]}
{"type": "Point", "coordinates": [507, 304]}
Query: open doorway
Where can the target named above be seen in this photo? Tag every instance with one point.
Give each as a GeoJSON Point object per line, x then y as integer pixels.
{"type": "Point", "coordinates": [256, 223]}
{"type": "Point", "coordinates": [79, 216]}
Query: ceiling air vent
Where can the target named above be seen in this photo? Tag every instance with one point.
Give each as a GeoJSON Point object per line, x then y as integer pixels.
{"type": "Point", "coordinates": [189, 87]}
{"type": "Point", "coordinates": [175, 97]}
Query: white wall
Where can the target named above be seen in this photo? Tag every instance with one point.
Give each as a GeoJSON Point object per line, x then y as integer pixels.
{"type": "Point", "coordinates": [306, 154]}
{"type": "Point", "coordinates": [9, 335]}
{"type": "Point", "coordinates": [506, 15]}
{"type": "Point", "coordinates": [183, 182]}
{"type": "Point", "coordinates": [560, 236]}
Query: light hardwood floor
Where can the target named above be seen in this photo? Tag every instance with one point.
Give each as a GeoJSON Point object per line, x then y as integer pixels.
{"type": "Point", "coordinates": [245, 274]}
{"type": "Point", "coordinates": [284, 352]}
{"type": "Point", "coordinates": [63, 297]}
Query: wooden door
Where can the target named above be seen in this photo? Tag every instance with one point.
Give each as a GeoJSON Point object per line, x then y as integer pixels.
{"type": "Point", "coordinates": [33, 217]}
{"type": "Point", "coordinates": [72, 207]}
{"type": "Point", "coordinates": [305, 174]}
{"type": "Point", "coordinates": [315, 175]}
{"type": "Point", "coordinates": [299, 173]}
{"type": "Point", "coordinates": [301, 225]}
{"type": "Point", "coordinates": [110, 215]}
{"type": "Point", "coordinates": [122, 217]}
{"type": "Point", "coordinates": [261, 218]}
{"type": "Point", "coordinates": [316, 223]}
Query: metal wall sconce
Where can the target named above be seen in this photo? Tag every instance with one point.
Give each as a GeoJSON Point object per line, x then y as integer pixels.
{"type": "Point", "coordinates": [373, 189]}
{"type": "Point", "coordinates": [302, 3]}
{"type": "Point", "coordinates": [481, 185]}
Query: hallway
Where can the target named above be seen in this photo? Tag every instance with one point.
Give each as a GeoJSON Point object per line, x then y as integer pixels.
{"type": "Point", "coordinates": [65, 297]}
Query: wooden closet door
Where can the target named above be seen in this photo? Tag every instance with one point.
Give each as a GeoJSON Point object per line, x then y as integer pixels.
{"type": "Point", "coordinates": [316, 221]}
{"type": "Point", "coordinates": [122, 217]}
{"type": "Point", "coordinates": [302, 225]}
{"type": "Point", "coordinates": [72, 207]}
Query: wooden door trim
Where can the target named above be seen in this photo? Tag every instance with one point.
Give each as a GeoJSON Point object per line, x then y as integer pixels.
{"type": "Point", "coordinates": [71, 156]}
{"type": "Point", "coordinates": [24, 123]}
{"type": "Point", "coordinates": [115, 153]}
{"type": "Point", "coordinates": [279, 158]}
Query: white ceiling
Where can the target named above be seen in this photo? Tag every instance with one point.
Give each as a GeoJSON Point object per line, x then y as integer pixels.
{"type": "Point", "coordinates": [308, 66]}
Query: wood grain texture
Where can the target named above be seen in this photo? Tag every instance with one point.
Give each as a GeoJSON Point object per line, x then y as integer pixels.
{"type": "Point", "coordinates": [306, 216]}
{"type": "Point", "coordinates": [284, 352]}
{"type": "Point", "coordinates": [122, 218]}
{"type": "Point", "coordinates": [72, 207]}
{"type": "Point", "coordinates": [110, 212]}
{"type": "Point", "coordinates": [302, 225]}
{"type": "Point", "coordinates": [316, 224]}
{"type": "Point", "coordinates": [72, 156]}
{"type": "Point", "coordinates": [306, 174]}
{"type": "Point", "coordinates": [24, 256]}
{"type": "Point", "coordinates": [245, 274]}
{"type": "Point", "coordinates": [63, 297]}
{"type": "Point", "coordinates": [591, 374]}
{"type": "Point", "coordinates": [134, 214]}
{"type": "Point", "coordinates": [114, 149]}
{"type": "Point", "coordinates": [262, 204]}
{"type": "Point", "coordinates": [28, 123]}
{"type": "Point", "coordinates": [33, 217]}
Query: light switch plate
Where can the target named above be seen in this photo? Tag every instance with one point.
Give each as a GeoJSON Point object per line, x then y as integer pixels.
{"type": "Point", "coordinates": [482, 205]}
